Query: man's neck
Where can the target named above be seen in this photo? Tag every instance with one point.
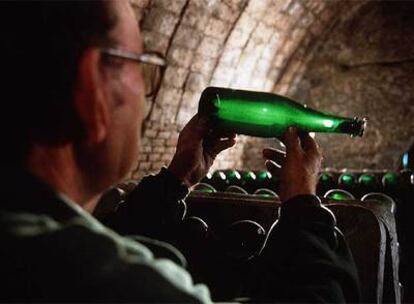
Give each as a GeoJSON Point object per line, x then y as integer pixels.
{"type": "Point", "coordinates": [57, 167]}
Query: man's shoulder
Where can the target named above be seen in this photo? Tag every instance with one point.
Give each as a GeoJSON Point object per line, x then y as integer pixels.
{"type": "Point", "coordinates": [81, 239]}
{"type": "Point", "coordinates": [77, 247]}
{"type": "Point", "coordinates": [26, 226]}
{"type": "Point", "coordinates": [90, 256]}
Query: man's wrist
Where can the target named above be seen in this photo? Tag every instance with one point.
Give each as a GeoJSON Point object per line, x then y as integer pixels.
{"type": "Point", "coordinates": [178, 174]}
{"type": "Point", "coordinates": [306, 208]}
{"type": "Point", "coordinates": [179, 187]}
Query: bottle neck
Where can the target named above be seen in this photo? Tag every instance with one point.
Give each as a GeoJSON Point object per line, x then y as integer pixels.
{"type": "Point", "coordinates": [354, 126]}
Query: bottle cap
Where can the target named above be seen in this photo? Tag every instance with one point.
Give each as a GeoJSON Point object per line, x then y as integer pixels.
{"type": "Point", "coordinates": [360, 124]}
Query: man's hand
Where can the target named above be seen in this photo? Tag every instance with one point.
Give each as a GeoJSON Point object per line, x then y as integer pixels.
{"type": "Point", "coordinates": [300, 166]}
{"type": "Point", "coordinates": [196, 150]}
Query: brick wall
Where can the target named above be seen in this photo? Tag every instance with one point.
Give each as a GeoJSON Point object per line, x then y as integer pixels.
{"type": "Point", "coordinates": [270, 45]}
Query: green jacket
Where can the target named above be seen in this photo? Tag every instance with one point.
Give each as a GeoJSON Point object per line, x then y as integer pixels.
{"type": "Point", "coordinates": [54, 251]}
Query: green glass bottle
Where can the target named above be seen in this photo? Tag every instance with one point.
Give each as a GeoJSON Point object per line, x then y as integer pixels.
{"type": "Point", "coordinates": [233, 177]}
{"type": "Point", "coordinates": [219, 180]}
{"type": "Point", "coordinates": [264, 192]}
{"type": "Point", "coordinates": [325, 178]}
{"type": "Point", "coordinates": [248, 181]}
{"type": "Point", "coordinates": [326, 182]}
{"type": "Point", "coordinates": [207, 179]}
{"type": "Point", "coordinates": [268, 115]}
{"type": "Point", "coordinates": [264, 179]}
{"type": "Point", "coordinates": [368, 182]}
{"type": "Point", "coordinates": [203, 187]}
{"type": "Point", "coordinates": [392, 184]}
{"type": "Point", "coordinates": [236, 189]}
{"type": "Point", "coordinates": [347, 181]}
{"type": "Point", "coordinates": [391, 180]}
{"type": "Point", "coordinates": [339, 195]}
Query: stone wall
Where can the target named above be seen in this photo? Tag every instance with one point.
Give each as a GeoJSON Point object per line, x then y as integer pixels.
{"type": "Point", "coordinates": [365, 67]}
{"type": "Point", "coordinates": [284, 46]}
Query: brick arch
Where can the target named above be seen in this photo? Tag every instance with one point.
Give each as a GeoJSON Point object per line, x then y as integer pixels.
{"type": "Point", "coordinates": [259, 45]}
{"type": "Point", "coordinates": [311, 24]}
{"type": "Point", "coordinates": [281, 43]}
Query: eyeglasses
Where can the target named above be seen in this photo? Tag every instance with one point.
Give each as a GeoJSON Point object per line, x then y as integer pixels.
{"type": "Point", "coordinates": [152, 64]}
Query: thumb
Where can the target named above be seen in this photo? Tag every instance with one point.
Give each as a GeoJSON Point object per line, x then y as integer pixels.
{"type": "Point", "coordinates": [217, 145]}
{"type": "Point", "coordinates": [197, 127]}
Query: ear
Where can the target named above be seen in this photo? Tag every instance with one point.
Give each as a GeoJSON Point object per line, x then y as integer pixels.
{"type": "Point", "coordinates": [90, 98]}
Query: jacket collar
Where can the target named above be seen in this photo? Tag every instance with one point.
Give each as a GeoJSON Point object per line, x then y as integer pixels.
{"type": "Point", "coordinates": [25, 193]}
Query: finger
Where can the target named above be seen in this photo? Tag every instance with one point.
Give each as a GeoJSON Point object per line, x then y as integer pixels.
{"type": "Point", "coordinates": [212, 138]}
{"type": "Point", "coordinates": [274, 154]}
{"type": "Point", "coordinates": [272, 167]}
{"type": "Point", "coordinates": [219, 145]}
{"type": "Point", "coordinates": [309, 145]}
{"type": "Point", "coordinates": [198, 126]}
{"type": "Point", "coordinates": [291, 140]}
{"type": "Point", "coordinates": [226, 136]}
{"type": "Point", "coordinates": [221, 134]}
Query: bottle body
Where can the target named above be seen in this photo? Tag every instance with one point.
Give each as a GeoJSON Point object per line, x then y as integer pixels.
{"type": "Point", "coordinates": [268, 115]}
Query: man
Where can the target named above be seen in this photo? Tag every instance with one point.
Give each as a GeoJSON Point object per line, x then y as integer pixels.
{"type": "Point", "coordinates": [76, 91]}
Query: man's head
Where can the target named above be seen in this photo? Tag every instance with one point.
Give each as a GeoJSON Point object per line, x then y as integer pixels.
{"type": "Point", "coordinates": [62, 90]}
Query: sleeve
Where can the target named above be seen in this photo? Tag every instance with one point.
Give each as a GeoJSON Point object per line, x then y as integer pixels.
{"type": "Point", "coordinates": [305, 259]}
{"type": "Point", "coordinates": [153, 209]}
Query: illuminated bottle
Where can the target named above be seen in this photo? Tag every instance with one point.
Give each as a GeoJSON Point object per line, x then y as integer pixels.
{"type": "Point", "coordinates": [264, 192]}
{"type": "Point", "coordinates": [219, 180]}
{"type": "Point", "coordinates": [339, 195]}
{"type": "Point", "coordinates": [203, 187]}
{"type": "Point", "coordinates": [326, 182]}
{"type": "Point", "coordinates": [207, 178]}
{"type": "Point", "coordinates": [347, 181]}
{"type": "Point", "coordinates": [233, 177]}
{"type": "Point", "coordinates": [264, 179]}
{"type": "Point", "coordinates": [248, 181]}
{"type": "Point", "coordinates": [236, 189]}
{"type": "Point", "coordinates": [268, 115]}
{"type": "Point", "coordinates": [392, 181]}
{"type": "Point", "coordinates": [367, 182]}
{"type": "Point", "coordinates": [380, 198]}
